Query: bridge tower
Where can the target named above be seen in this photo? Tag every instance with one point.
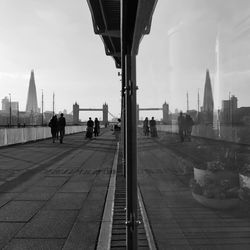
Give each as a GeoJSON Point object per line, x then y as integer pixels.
{"type": "Point", "coordinates": [105, 111]}
{"type": "Point", "coordinates": [76, 113]}
{"type": "Point", "coordinates": [165, 111]}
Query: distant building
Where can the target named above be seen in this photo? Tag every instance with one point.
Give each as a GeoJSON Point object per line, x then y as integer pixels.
{"type": "Point", "coordinates": [165, 109]}
{"type": "Point", "coordinates": [234, 103]}
{"type": "Point", "coordinates": [76, 113]}
{"type": "Point", "coordinates": [208, 103]}
{"type": "Point", "coordinates": [31, 105]}
{"type": "Point", "coordinates": [14, 106]}
{"type": "Point", "coordinates": [242, 116]}
{"type": "Point", "coordinates": [6, 105]}
{"type": "Point", "coordinates": [225, 111]}
{"type": "Point", "coordinates": [229, 110]}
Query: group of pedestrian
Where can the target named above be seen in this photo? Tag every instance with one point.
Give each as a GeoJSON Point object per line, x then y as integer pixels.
{"type": "Point", "coordinates": [185, 124]}
{"type": "Point", "coordinates": [150, 127]}
{"type": "Point", "coordinates": [57, 127]}
{"type": "Point", "coordinates": [92, 127]}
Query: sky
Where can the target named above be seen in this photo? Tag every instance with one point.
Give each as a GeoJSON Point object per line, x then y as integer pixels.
{"type": "Point", "coordinates": [55, 38]}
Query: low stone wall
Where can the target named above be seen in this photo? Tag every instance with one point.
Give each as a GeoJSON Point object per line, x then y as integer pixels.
{"type": "Point", "coordinates": [226, 133]}
{"type": "Point", "coordinates": [9, 136]}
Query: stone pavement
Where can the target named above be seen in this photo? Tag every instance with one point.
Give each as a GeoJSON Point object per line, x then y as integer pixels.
{"type": "Point", "coordinates": [52, 195]}
{"type": "Point", "coordinates": [177, 220]}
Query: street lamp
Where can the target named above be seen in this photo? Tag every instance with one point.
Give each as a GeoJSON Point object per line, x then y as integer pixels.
{"type": "Point", "coordinates": [53, 103]}
{"type": "Point", "coordinates": [42, 107]}
{"type": "Point", "coordinates": [18, 124]}
{"type": "Point", "coordinates": [10, 108]}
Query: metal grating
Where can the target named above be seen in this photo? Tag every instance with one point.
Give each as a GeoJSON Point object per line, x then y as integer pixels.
{"type": "Point", "coordinates": [118, 237]}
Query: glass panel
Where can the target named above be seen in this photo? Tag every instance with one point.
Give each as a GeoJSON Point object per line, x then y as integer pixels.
{"type": "Point", "coordinates": [194, 176]}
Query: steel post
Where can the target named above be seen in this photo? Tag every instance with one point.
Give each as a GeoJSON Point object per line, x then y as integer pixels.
{"type": "Point", "coordinates": [131, 150]}
{"type": "Point", "coordinates": [123, 113]}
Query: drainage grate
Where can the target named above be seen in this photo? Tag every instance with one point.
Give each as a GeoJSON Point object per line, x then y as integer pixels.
{"type": "Point", "coordinates": [118, 237]}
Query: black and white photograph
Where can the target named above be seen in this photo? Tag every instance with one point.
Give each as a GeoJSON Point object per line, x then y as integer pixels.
{"type": "Point", "coordinates": [125, 124]}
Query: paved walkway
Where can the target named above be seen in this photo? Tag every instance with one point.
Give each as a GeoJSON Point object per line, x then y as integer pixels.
{"type": "Point", "coordinates": [52, 195]}
{"type": "Point", "coordinates": [177, 220]}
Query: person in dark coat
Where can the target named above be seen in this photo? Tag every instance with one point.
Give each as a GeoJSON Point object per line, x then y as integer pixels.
{"type": "Point", "coordinates": [145, 127]}
{"type": "Point", "coordinates": [181, 125]}
{"type": "Point", "coordinates": [152, 125]}
{"type": "Point", "coordinates": [57, 129]}
{"type": "Point", "coordinates": [90, 126]}
{"type": "Point", "coordinates": [117, 129]}
{"type": "Point", "coordinates": [97, 127]}
{"type": "Point", "coordinates": [189, 126]}
{"type": "Point", "coordinates": [53, 127]}
{"type": "Point", "coordinates": [61, 127]}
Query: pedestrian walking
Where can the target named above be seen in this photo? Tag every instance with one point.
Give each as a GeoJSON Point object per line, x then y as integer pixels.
{"type": "Point", "coordinates": [189, 126]}
{"type": "Point", "coordinates": [181, 125]}
{"type": "Point", "coordinates": [152, 125]}
{"type": "Point", "coordinates": [53, 127]}
{"type": "Point", "coordinates": [61, 127]}
{"type": "Point", "coordinates": [57, 129]}
{"type": "Point", "coordinates": [145, 127]}
{"type": "Point", "coordinates": [97, 127]}
{"type": "Point", "coordinates": [117, 129]}
{"type": "Point", "coordinates": [90, 126]}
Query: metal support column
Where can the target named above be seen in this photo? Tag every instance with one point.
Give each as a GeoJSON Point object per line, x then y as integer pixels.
{"type": "Point", "coordinates": [131, 150]}
{"type": "Point", "coordinates": [123, 114]}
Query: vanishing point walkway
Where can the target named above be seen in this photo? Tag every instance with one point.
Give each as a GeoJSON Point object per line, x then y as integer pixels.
{"type": "Point", "coordinates": [52, 196]}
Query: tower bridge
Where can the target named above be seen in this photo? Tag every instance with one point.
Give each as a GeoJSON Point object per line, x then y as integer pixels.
{"type": "Point", "coordinates": [77, 109]}
{"type": "Point", "coordinates": [164, 109]}
{"type": "Point", "coordinates": [105, 112]}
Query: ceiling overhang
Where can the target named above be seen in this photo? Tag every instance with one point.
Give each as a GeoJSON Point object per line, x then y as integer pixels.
{"type": "Point", "coordinates": [109, 16]}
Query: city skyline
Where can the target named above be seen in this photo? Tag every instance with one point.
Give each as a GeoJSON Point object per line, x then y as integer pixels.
{"type": "Point", "coordinates": [208, 98]}
{"type": "Point", "coordinates": [56, 39]}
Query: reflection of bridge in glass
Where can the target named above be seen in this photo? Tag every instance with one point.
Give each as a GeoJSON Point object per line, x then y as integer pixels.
{"type": "Point", "coordinates": [164, 109]}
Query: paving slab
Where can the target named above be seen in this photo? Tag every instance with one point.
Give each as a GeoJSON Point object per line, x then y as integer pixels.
{"type": "Point", "coordinates": [91, 211]}
{"type": "Point", "coordinates": [3, 202]}
{"type": "Point", "coordinates": [97, 193]}
{"type": "Point", "coordinates": [34, 196]}
{"type": "Point", "coordinates": [52, 181]}
{"type": "Point", "coordinates": [65, 201]}
{"type": "Point", "coordinates": [82, 236]}
{"type": "Point", "coordinates": [35, 244]}
{"type": "Point", "coordinates": [19, 211]}
{"type": "Point", "coordinates": [7, 231]}
{"type": "Point", "coordinates": [35, 193]}
{"type": "Point", "coordinates": [81, 187]}
{"type": "Point", "coordinates": [7, 195]}
{"type": "Point", "coordinates": [49, 224]}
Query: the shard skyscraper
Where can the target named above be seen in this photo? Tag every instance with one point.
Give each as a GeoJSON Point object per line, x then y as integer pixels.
{"type": "Point", "coordinates": [208, 101]}
{"type": "Point", "coordinates": [31, 105]}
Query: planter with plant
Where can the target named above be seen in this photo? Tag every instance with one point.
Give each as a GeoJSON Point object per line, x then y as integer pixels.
{"type": "Point", "coordinates": [244, 177]}
{"type": "Point", "coordinates": [216, 184]}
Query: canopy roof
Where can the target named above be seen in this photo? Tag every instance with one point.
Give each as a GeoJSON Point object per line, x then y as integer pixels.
{"type": "Point", "coordinates": [108, 18]}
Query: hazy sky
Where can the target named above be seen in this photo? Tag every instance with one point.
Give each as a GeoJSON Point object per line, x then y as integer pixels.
{"type": "Point", "coordinates": [56, 39]}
